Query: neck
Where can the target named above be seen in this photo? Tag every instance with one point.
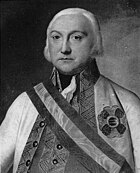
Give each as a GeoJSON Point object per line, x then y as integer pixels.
{"type": "Point", "coordinates": [91, 73]}
{"type": "Point", "coordinates": [65, 80]}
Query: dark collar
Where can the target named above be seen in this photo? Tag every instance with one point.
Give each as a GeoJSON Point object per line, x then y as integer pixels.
{"type": "Point", "coordinates": [90, 74]}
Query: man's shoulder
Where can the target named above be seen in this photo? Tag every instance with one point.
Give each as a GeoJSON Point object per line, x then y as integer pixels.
{"type": "Point", "coordinates": [24, 97]}
{"type": "Point", "coordinates": [20, 104]}
{"type": "Point", "coordinates": [125, 95]}
{"type": "Point", "coordinates": [20, 99]}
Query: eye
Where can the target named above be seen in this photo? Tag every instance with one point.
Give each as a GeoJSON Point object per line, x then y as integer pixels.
{"type": "Point", "coordinates": [77, 37]}
{"type": "Point", "coordinates": [55, 37]}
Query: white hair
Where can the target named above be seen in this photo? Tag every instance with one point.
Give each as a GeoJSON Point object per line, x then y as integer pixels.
{"type": "Point", "coordinates": [97, 47]}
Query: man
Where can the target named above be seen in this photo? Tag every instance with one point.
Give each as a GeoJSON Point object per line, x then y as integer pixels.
{"type": "Point", "coordinates": [78, 121]}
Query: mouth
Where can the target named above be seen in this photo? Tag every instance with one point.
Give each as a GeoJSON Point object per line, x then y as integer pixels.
{"type": "Point", "coordinates": [66, 59]}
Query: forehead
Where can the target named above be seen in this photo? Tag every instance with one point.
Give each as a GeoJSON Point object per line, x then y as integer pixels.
{"type": "Point", "coordinates": [71, 22]}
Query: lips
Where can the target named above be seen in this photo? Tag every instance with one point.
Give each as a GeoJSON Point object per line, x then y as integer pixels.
{"type": "Point", "coordinates": [66, 59]}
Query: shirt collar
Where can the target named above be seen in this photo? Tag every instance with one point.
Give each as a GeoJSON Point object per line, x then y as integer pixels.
{"type": "Point", "coordinates": [90, 73]}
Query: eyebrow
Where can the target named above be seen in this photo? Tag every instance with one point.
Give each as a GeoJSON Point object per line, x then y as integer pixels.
{"type": "Point", "coordinates": [72, 32]}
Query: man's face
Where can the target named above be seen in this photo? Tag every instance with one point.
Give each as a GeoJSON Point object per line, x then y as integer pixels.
{"type": "Point", "coordinates": [70, 41]}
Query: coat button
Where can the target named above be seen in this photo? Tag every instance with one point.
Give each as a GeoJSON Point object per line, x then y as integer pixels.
{"type": "Point", "coordinates": [42, 124]}
{"type": "Point", "coordinates": [55, 161]}
{"type": "Point", "coordinates": [59, 147]}
{"type": "Point", "coordinates": [28, 162]}
{"type": "Point", "coordinates": [35, 144]}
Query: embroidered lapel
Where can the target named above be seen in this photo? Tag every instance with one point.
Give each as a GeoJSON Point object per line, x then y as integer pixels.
{"type": "Point", "coordinates": [83, 100]}
{"type": "Point", "coordinates": [88, 78]}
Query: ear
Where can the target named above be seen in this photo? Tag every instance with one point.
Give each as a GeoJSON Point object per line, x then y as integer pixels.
{"type": "Point", "coordinates": [97, 50]}
{"type": "Point", "coordinates": [93, 52]}
{"type": "Point", "coordinates": [47, 54]}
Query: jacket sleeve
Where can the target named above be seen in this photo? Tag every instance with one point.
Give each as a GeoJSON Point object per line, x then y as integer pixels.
{"type": "Point", "coordinates": [8, 132]}
{"type": "Point", "coordinates": [133, 117]}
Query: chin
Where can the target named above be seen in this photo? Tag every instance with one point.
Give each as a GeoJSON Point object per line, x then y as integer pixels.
{"type": "Point", "coordinates": [70, 72]}
{"type": "Point", "coordinates": [66, 72]}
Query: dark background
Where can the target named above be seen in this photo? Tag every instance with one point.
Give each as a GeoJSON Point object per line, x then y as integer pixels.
{"type": "Point", "coordinates": [23, 34]}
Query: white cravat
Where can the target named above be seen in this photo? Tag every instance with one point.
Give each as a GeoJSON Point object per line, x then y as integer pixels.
{"type": "Point", "coordinates": [69, 91]}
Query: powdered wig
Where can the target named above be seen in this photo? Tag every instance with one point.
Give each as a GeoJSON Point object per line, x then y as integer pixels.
{"type": "Point", "coordinates": [97, 46]}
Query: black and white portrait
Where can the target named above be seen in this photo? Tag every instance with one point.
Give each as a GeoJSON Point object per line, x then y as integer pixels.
{"type": "Point", "coordinates": [70, 86]}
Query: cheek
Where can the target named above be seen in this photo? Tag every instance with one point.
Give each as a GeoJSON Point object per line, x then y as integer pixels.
{"type": "Point", "coordinates": [82, 51]}
{"type": "Point", "coordinates": [54, 48]}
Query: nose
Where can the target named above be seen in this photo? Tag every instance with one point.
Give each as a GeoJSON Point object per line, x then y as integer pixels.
{"type": "Point", "coordinates": [65, 49]}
